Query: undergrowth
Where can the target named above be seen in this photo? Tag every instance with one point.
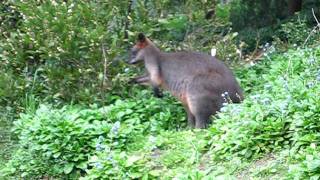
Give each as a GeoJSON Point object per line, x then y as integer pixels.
{"type": "Point", "coordinates": [146, 138]}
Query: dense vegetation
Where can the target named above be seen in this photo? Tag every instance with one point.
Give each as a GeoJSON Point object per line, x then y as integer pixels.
{"type": "Point", "coordinates": [65, 91]}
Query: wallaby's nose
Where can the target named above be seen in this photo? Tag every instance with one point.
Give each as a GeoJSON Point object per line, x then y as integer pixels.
{"type": "Point", "coordinates": [132, 60]}
{"type": "Point", "coordinates": [133, 56]}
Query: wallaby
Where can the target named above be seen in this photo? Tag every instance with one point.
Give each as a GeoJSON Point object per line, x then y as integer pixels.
{"type": "Point", "coordinates": [198, 80]}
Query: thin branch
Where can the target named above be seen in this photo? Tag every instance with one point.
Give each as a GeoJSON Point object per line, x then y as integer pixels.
{"type": "Point", "coordinates": [315, 17]}
{"type": "Point", "coordinates": [105, 66]}
{"type": "Point", "coordinates": [314, 30]}
{"type": "Point", "coordinates": [127, 20]}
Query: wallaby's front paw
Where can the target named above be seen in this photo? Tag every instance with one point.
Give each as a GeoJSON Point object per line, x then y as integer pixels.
{"type": "Point", "coordinates": [133, 81]}
{"type": "Point", "coordinates": [158, 95]}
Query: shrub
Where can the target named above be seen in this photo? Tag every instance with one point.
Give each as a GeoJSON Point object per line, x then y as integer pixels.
{"type": "Point", "coordinates": [296, 32]}
{"type": "Point", "coordinates": [282, 112]}
{"type": "Point", "coordinates": [58, 45]}
{"type": "Point", "coordinates": [59, 142]}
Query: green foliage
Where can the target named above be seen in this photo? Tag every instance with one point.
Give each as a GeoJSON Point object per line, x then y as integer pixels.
{"type": "Point", "coordinates": [59, 142]}
{"type": "Point", "coordinates": [137, 138]}
{"type": "Point", "coordinates": [7, 84]}
{"type": "Point", "coordinates": [7, 140]}
{"type": "Point", "coordinates": [53, 49]}
{"type": "Point", "coordinates": [296, 31]}
{"type": "Point", "coordinates": [228, 49]}
{"type": "Point", "coordinates": [260, 22]}
{"type": "Point", "coordinates": [58, 46]}
{"type": "Point", "coordinates": [163, 155]}
{"type": "Point", "coordinates": [51, 52]}
{"type": "Point", "coordinates": [281, 114]}
{"type": "Point", "coordinates": [256, 14]}
{"type": "Point", "coordinates": [222, 12]}
{"type": "Point", "coordinates": [175, 27]}
{"type": "Point", "coordinates": [8, 17]}
{"type": "Point", "coordinates": [305, 164]}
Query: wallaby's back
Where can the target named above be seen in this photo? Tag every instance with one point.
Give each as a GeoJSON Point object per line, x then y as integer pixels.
{"type": "Point", "coordinates": [184, 68]}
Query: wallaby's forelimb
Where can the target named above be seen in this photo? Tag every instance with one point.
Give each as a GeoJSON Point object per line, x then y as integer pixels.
{"type": "Point", "coordinates": [145, 80]}
{"type": "Point", "coordinates": [157, 92]}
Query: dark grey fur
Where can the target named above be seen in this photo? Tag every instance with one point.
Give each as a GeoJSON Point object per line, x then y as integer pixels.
{"type": "Point", "coordinates": [197, 79]}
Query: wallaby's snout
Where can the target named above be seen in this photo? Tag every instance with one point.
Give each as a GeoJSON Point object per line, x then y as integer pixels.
{"type": "Point", "coordinates": [136, 55]}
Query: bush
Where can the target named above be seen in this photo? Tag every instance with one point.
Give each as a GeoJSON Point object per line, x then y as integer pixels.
{"type": "Point", "coordinates": [296, 31]}
{"type": "Point", "coordinates": [136, 138]}
{"type": "Point", "coordinates": [59, 142]}
{"type": "Point", "coordinates": [281, 113]}
{"type": "Point", "coordinates": [58, 45]}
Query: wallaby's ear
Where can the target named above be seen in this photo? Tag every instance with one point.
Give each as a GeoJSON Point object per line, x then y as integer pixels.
{"type": "Point", "coordinates": [141, 37]}
{"type": "Point", "coordinates": [142, 41]}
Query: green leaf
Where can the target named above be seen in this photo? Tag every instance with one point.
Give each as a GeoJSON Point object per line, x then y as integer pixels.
{"type": "Point", "coordinates": [56, 155]}
{"type": "Point", "coordinates": [135, 175]}
{"type": "Point", "coordinates": [315, 177]}
{"type": "Point", "coordinates": [314, 165]}
{"type": "Point", "coordinates": [82, 165]}
{"type": "Point", "coordinates": [68, 168]}
{"type": "Point", "coordinates": [24, 174]}
{"type": "Point", "coordinates": [132, 159]}
{"type": "Point", "coordinates": [155, 173]}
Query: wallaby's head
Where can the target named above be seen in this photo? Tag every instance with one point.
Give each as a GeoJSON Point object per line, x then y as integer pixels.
{"type": "Point", "coordinates": [137, 52]}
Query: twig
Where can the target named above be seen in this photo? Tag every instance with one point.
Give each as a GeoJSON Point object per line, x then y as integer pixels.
{"type": "Point", "coordinates": [256, 48]}
{"type": "Point", "coordinates": [105, 78]}
{"type": "Point", "coordinates": [314, 30]}
{"type": "Point", "coordinates": [315, 17]}
{"type": "Point", "coordinates": [127, 20]}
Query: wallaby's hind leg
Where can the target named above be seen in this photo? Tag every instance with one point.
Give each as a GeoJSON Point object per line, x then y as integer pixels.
{"type": "Point", "coordinates": [190, 116]}
{"type": "Point", "coordinates": [191, 119]}
{"type": "Point", "coordinates": [202, 108]}
{"type": "Point", "coordinates": [202, 121]}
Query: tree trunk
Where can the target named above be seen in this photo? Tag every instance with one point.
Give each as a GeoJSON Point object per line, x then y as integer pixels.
{"type": "Point", "coordinates": [294, 6]}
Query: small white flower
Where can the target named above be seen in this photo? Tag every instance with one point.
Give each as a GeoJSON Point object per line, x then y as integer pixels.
{"type": "Point", "coordinates": [115, 127]}
{"type": "Point", "coordinates": [213, 52]}
{"type": "Point", "coordinates": [54, 3]}
{"type": "Point", "coordinates": [98, 165]}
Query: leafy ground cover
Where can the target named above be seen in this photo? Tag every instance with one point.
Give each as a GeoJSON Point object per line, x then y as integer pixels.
{"type": "Point", "coordinates": [274, 133]}
{"type": "Point", "coordinates": [51, 58]}
{"type": "Point", "coordinates": [6, 139]}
